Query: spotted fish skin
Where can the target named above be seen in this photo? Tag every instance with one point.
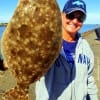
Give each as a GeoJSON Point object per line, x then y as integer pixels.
{"type": "Point", "coordinates": [31, 41]}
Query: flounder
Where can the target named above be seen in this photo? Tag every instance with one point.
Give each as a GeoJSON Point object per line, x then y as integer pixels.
{"type": "Point", "coordinates": [31, 43]}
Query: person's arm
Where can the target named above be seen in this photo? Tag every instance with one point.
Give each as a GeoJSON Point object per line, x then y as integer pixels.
{"type": "Point", "coordinates": [92, 89]}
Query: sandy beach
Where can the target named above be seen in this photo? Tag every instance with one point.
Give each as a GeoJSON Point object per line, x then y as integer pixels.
{"type": "Point", "coordinates": [8, 81]}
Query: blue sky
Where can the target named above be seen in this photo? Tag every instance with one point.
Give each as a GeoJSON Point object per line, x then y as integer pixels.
{"type": "Point", "coordinates": [7, 8]}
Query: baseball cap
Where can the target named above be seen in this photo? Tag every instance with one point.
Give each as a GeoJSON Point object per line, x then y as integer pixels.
{"type": "Point", "coordinates": [74, 5]}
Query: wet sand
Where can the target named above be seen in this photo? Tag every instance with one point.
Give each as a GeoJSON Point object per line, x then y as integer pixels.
{"type": "Point", "coordinates": [8, 81]}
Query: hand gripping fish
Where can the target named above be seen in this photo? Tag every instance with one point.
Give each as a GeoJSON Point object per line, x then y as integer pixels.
{"type": "Point", "coordinates": [30, 43]}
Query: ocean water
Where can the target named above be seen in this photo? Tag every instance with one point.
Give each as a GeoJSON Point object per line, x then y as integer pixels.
{"type": "Point", "coordinates": [85, 27]}
{"type": "Point", "coordinates": [2, 28]}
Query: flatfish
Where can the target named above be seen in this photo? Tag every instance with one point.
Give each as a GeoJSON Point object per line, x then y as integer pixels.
{"type": "Point", "coordinates": [30, 43]}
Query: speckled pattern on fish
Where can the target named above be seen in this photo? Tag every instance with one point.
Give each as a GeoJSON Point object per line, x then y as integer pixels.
{"type": "Point", "coordinates": [30, 43]}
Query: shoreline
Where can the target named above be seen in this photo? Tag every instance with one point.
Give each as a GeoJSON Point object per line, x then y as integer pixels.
{"type": "Point", "coordinates": [3, 24]}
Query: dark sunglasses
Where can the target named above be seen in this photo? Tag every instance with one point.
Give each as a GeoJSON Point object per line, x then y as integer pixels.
{"type": "Point", "coordinates": [80, 18]}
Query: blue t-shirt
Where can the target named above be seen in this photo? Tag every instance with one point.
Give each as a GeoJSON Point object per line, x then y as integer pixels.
{"type": "Point", "coordinates": [69, 49]}
{"type": "Point", "coordinates": [58, 77]}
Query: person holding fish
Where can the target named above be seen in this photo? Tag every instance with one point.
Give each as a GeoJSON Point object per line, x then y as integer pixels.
{"type": "Point", "coordinates": [70, 76]}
